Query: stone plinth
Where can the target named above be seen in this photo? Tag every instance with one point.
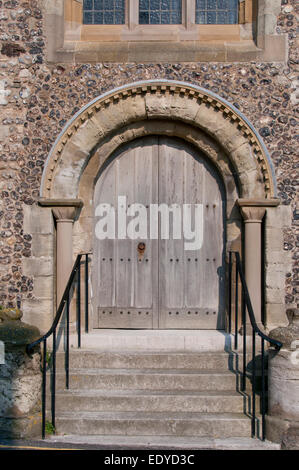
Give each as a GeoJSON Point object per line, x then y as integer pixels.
{"type": "Point", "coordinates": [20, 378]}
{"type": "Point", "coordinates": [283, 419]}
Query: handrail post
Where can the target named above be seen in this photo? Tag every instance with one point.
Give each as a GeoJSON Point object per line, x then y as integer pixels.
{"type": "Point", "coordinates": [248, 309]}
{"type": "Point", "coordinates": [230, 292]}
{"type": "Point", "coordinates": [236, 305]}
{"type": "Point", "coordinates": [67, 359]}
{"type": "Point", "coordinates": [244, 341]}
{"type": "Point", "coordinates": [263, 400]}
{"type": "Point", "coordinates": [79, 303]}
{"type": "Point", "coordinates": [253, 384]}
{"type": "Point", "coordinates": [53, 398]}
{"type": "Point", "coordinates": [64, 306]}
{"type": "Point", "coordinates": [44, 385]}
{"type": "Point", "coordinates": [86, 294]}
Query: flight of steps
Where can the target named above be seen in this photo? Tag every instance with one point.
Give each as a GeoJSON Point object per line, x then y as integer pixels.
{"type": "Point", "coordinates": [175, 394]}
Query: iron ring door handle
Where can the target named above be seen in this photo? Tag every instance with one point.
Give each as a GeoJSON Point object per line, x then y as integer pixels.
{"type": "Point", "coordinates": [141, 249]}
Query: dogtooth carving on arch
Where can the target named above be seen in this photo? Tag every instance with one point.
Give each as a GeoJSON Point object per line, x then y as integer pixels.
{"type": "Point", "coordinates": [148, 100]}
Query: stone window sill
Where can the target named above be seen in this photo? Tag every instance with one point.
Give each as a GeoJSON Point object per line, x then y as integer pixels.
{"type": "Point", "coordinates": [159, 33]}
{"type": "Point", "coordinates": [170, 51]}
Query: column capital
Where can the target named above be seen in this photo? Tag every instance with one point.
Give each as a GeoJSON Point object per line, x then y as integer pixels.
{"type": "Point", "coordinates": [64, 214]}
{"type": "Point", "coordinates": [253, 210]}
{"type": "Point", "coordinates": [253, 214]}
{"type": "Point", "coordinates": [63, 209]}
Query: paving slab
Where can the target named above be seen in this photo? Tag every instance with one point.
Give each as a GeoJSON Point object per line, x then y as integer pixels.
{"type": "Point", "coordinates": [164, 442]}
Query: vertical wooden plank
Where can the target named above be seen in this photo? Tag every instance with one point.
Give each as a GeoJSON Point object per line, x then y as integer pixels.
{"type": "Point", "coordinates": [146, 193]}
{"type": "Point", "coordinates": [124, 271]}
{"type": "Point", "coordinates": [103, 258]}
{"type": "Point", "coordinates": [171, 252]}
{"type": "Point", "coordinates": [193, 194]}
{"type": "Point", "coordinates": [213, 244]}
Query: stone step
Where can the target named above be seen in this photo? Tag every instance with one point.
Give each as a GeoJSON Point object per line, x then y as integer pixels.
{"type": "Point", "coordinates": [161, 442]}
{"type": "Point", "coordinates": [151, 393]}
{"type": "Point", "coordinates": [153, 340]}
{"type": "Point", "coordinates": [212, 425]}
{"type": "Point", "coordinates": [145, 400]}
{"type": "Point", "coordinates": [149, 379]}
{"type": "Point", "coordinates": [150, 360]}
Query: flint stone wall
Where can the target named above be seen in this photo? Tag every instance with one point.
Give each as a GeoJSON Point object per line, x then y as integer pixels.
{"type": "Point", "coordinates": [20, 394]}
{"type": "Point", "coordinates": [37, 98]}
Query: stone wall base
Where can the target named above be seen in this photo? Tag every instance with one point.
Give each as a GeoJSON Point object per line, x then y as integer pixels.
{"type": "Point", "coordinates": [20, 378]}
{"type": "Point", "coordinates": [283, 431]}
{"type": "Point", "coordinates": [21, 428]}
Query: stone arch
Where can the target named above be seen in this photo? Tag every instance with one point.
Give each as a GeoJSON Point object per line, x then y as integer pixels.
{"type": "Point", "coordinates": [211, 124]}
{"type": "Point", "coordinates": [169, 101]}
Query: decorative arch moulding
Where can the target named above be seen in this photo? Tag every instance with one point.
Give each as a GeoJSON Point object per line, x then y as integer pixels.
{"type": "Point", "coordinates": [163, 87]}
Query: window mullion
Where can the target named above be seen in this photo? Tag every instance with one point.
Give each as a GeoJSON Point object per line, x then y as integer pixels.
{"type": "Point", "coordinates": [133, 13]}
{"type": "Point", "coordinates": [190, 14]}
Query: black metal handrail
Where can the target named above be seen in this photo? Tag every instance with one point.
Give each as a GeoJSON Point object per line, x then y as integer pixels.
{"type": "Point", "coordinates": [75, 278]}
{"type": "Point", "coordinates": [246, 306]}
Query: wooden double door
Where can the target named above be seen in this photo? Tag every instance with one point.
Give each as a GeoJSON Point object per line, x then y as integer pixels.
{"type": "Point", "coordinates": [141, 278]}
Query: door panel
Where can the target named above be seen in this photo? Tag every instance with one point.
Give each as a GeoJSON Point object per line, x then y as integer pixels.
{"type": "Point", "coordinates": [165, 286]}
{"type": "Point", "coordinates": [189, 282]}
{"type": "Point", "coordinates": [128, 297]}
{"type": "Point", "coordinates": [146, 192]}
{"type": "Point", "coordinates": [104, 281]}
{"type": "Point", "coordinates": [171, 262]}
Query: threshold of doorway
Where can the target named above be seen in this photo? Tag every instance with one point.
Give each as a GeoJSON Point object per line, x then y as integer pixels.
{"type": "Point", "coordinates": [155, 340]}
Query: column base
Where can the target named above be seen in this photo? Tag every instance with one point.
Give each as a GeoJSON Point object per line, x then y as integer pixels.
{"type": "Point", "coordinates": [283, 431]}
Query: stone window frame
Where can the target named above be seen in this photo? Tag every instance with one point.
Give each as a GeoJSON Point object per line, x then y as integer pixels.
{"type": "Point", "coordinates": [254, 38]}
{"type": "Point", "coordinates": [132, 30]}
{"type": "Point", "coordinates": [188, 9]}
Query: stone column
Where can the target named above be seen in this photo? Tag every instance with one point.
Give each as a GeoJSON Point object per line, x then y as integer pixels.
{"type": "Point", "coordinates": [65, 212]}
{"type": "Point", "coordinates": [253, 251]}
{"type": "Point", "coordinates": [253, 212]}
{"type": "Point", "coordinates": [64, 247]}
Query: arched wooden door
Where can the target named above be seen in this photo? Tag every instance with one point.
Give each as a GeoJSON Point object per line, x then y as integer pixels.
{"type": "Point", "coordinates": [159, 284]}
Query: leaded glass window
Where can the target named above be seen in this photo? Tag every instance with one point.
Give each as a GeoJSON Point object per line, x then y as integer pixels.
{"type": "Point", "coordinates": [103, 11]}
{"type": "Point", "coordinates": [160, 11]}
{"type": "Point", "coordinates": [216, 11]}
